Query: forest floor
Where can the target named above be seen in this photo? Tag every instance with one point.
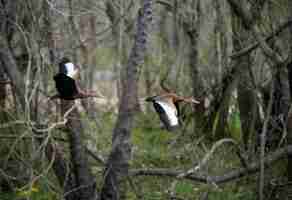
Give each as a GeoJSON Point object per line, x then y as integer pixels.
{"type": "Point", "coordinates": [155, 148]}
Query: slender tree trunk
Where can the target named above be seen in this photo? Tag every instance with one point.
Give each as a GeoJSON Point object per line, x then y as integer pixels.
{"type": "Point", "coordinates": [246, 88]}
{"type": "Point", "coordinates": [191, 27]}
{"type": "Point", "coordinates": [221, 39]}
{"type": "Point", "coordinates": [88, 47]}
{"type": "Point", "coordinates": [229, 84]}
{"type": "Point", "coordinates": [249, 22]}
{"type": "Point", "coordinates": [10, 66]}
{"type": "Point", "coordinates": [62, 170]}
{"type": "Point", "coordinates": [3, 92]}
{"type": "Point", "coordinates": [289, 127]}
{"type": "Point", "coordinates": [221, 64]}
{"type": "Point", "coordinates": [289, 118]}
{"type": "Point", "coordinates": [85, 182]}
{"type": "Point", "coordinates": [118, 163]}
{"type": "Point", "coordinates": [118, 20]}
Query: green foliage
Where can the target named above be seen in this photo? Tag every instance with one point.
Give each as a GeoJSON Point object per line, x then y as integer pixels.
{"type": "Point", "coordinates": [232, 193]}
{"type": "Point", "coordinates": [35, 192]}
{"type": "Point", "coordinates": [234, 125]}
{"type": "Point", "coordinates": [184, 188]}
{"type": "Point", "coordinates": [8, 196]}
{"type": "Point", "coordinates": [151, 143]}
{"type": "Point", "coordinates": [152, 149]}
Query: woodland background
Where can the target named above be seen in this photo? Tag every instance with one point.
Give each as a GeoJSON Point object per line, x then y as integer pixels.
{"type": "Point", "coordinates": [235, 57]}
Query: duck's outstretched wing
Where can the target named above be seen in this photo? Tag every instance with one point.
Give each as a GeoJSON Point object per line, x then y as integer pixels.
{"type": "Point", "coordinates": [167, 114]}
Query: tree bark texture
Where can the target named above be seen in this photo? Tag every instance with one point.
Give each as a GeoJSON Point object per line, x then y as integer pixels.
{"type": "Point", "coordinates": [276, 60]}
{"type": "Point", "coordinates": [118, 163]}
{"type": "Point", "coordinates": [192, 29]}
{"type": "Point", "coordinates": [289, 136]}
{"type": "Point", "coordinates": [61, 169]}
{"type": "Point", "coordinates": [3, 92]}
{"type": "Point", "coordinates": [281, 94]}
{"type": "Point", "coordinates": [246, 86]}
{"type": "Point", "coordinates": [85, 184]}
{"type": "Point", "coordinates": [289, 118]}
{"type": "Point", "coordinates": [10, 67]}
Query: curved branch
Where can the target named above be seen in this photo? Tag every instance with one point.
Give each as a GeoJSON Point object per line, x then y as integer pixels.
{"type": "Point", "coordinates": [229, 176]}
{"type": "Point", "coordinates": [255, 45]}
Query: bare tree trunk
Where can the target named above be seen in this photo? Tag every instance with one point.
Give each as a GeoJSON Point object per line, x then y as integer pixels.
{"type": "Point", "coordinates": [249, 22]}
{"type": "Point", "coordinates": [85, 182]}
{"type": "Point", "coordinates": [246, 86]}
{"type": "Point", "coordinates": [289, 118]}
{"type": "Point", "coordinates": [7, 59]}
{"type": "Point", "coordinates": [223, 34]}
{"type": "Point", "coordinates": [88, 47]}
{"type": "Point", "coordinates": [62, 170]}
{"type": "Point", "coordinates": [229, 83]}
{"type": "Point", "coordinates": [10, 66]}
{"type": "Point", "coordinates": [289, 126]}
{"type": "Point", "coordinates": [3, 92]}
{"type": "Point", "coordinates": [193, 29]}
{"type": "Point", "coordinates": [117, 16]}
{"type": "Point", "coordinates": [222, 65]}
{"type": "Point", "coordinates": [118, 163]}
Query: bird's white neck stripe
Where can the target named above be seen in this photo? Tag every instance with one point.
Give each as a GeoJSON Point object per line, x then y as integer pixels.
{"type": "Point", "coordinates": [70, 69]}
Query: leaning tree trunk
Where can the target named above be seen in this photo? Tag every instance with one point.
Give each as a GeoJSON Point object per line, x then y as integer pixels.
{"type": "Point", "coordinates": [118, 163]}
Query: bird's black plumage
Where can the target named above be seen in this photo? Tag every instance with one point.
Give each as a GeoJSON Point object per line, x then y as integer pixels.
{"type": "Point", "coordinates": [66, 86]}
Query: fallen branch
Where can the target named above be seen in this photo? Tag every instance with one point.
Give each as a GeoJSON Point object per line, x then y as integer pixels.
{"type": "Point", "coordinates": [229, 176]}
{"type": "Point", "coordinates": [206, 157]}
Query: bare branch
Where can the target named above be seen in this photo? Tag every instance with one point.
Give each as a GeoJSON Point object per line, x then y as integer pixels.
{"type": "Point", "coordinates": [255, 45]}
{"type": "Point", "coordinates": [227, 177]}
{"type": "Point", "coordinates": [250, 24]}
{"type": "Point", "coordinates": [207, 157]}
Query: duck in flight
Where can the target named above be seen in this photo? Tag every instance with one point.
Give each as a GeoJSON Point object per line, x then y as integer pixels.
{"type": "Point", "coordinates": [67, 83]}
{"type": "Point", "coordinates": [167, 107]}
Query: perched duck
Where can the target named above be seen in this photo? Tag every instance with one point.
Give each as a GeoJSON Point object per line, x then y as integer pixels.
{"type": "Point", "coordinates": [167, 107]}
{"type": "Point", "coordinates": [67, 83]}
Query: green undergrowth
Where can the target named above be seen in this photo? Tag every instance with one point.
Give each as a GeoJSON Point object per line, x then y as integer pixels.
{"type": "Point", "coordinates": [41, 190]}
{"type": "Point", "coordinates": [153, 148]}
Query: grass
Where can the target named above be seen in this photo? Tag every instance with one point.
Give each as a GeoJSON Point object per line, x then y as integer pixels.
{"type": "Point", "coordinates": [152, 148]}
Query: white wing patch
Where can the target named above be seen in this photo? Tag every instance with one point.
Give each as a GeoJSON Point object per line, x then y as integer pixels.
{"type": "Point", "coordinates": [170, 112]}
{"type": "Point", "coordinates": [71, 71]}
